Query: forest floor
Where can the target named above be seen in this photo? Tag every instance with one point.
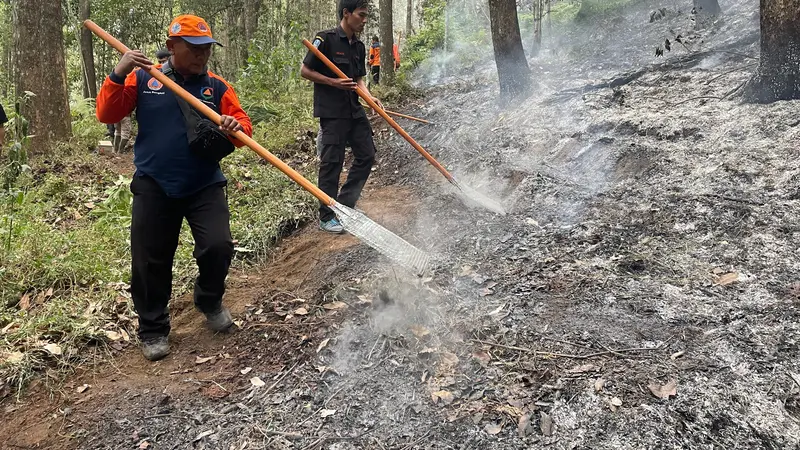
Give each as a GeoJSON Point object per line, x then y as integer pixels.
{"type": "Point", "coordinates": [641, 292]}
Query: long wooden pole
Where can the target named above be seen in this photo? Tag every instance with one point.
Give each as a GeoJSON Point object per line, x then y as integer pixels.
{"type": "Point", "coordinates": [405, 116]}
{"type": "Point", "coordinates": [211, 114]}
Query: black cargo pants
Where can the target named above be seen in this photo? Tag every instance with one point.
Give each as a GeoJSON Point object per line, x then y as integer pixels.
{"type": "Point", "coordinates": [334, 134]}
{"type": "Point", "coordinates": [155, 229]}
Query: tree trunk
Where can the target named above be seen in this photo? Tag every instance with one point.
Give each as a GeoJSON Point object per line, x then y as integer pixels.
{"type": "Point", "coordinates": [252, 12]}
{"type": "Point", "coordinates": [41, 68]}
{"type": "Point", "coordinates": [704, 12]}
{"type": "Point", "coordinates": [409, 15]}
{"type": "Point", "coordinates": [512, 67]}
{"type": "Point", "coordinates": [778, 76]}
{"type": "Point", "coordinates": [87, 53]}
{"type": "Point", "coordinates": [537, 26]}
{"type": "Point", "coordinates": [387, 42]}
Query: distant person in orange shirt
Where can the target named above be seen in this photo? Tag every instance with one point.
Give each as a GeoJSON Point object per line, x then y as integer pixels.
{"type": "Point", "coordinates": [396, 55]}
{"type": "Point", "coordinates": [375, 60]}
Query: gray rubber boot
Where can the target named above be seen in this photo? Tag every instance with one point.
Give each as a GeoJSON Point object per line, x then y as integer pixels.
{"type": "Point", "coordinates": [117, 140]}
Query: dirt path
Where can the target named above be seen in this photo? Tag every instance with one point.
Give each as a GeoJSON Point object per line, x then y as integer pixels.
{"type": "Point", "coordinates": [308, 265]}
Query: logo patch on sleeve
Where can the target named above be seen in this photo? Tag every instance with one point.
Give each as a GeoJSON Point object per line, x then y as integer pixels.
{"type": "Point", "coordinates": [207, 93]}
{"type": "Point", "coordinates": [317, 41]}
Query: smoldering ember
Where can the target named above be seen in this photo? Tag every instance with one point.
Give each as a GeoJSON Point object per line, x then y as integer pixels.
{"type": "Point", "coordinates": [579, 228]}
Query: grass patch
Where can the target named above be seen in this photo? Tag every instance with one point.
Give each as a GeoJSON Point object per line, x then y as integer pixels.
{"type": "Point", "coordinates": [399, 92]}
{"type": "Point", "coordinates": [65, 258]}
{"type": "Point", "coordinates": [593, 8]}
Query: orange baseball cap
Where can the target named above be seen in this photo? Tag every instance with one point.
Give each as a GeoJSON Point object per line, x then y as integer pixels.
{"type": "Point", "coordinates": [192, 29]}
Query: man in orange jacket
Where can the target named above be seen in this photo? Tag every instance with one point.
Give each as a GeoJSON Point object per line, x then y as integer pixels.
{"type": "Point", "coordinates": [176, 179]}
{"type": "Point", "coordinates": [375, 60]}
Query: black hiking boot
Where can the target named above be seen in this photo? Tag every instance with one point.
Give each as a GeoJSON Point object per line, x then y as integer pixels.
{"type": "Point", "coordinates": [155, 348]}
{"type": "Point", "coordinates": [220, 321]}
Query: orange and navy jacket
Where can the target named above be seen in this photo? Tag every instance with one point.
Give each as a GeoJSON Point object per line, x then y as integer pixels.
{"type": "Point", "coordinates": [375, 54]}
{"type": "Point", "coordinates": [161, 150]}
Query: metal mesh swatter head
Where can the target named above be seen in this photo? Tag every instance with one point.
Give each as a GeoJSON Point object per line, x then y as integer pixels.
{"type": "Point", "coordinates": [381, 239]}
{"type": "Point", "coordinates": [473, 198]}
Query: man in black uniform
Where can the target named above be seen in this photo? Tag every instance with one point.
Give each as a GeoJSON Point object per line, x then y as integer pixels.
{"type": "Point", "coordinates": [342, 118]}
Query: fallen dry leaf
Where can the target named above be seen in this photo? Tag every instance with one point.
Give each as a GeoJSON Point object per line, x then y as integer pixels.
{"type": "Point", "coordinates": [419, 331]}
{"type": "Point", "coordinates": [257, 382]}
{"type": "Point", "coordinates": [524, 425]}
{"type": "Point", "coordinates": [510, 410]}
{"type": "Point", "coordinates": [482, 356]}
{"type": "Point", "coordinates": [677, 355]}
{"type": "Point", "coordinates": [546, 424]}
{"type": "Point", "coordinates": [49, 293]}
{"type": "Point", "coordinates": [485, 291]}
{"type": "Point", "coordinates": [201, 360]}
{"type": "Point", "coordinates": [89, 205]}
{"type": "Point", "coordinates": [498, 310]}
{"type": "Point", "coordinates": [493, 428]}
{"type": "Point", "coordinates": [445, 397]}
{"type": "Point", "coordinates": [301, 312]}
{"type": "Point", "coordinates": [728, 278]}
{"type": "Point", "coordinates": [449, 359]}
{"type": "Point", "coordinates": [427, 351]}
{"type": "Point", "coordinates": [665, 391]}
{"type": "Point", "coordinates": [599, 384]}
{"type": "Point", "coordinates": [246, 370]}
{"type": "Point", "coordinates": [15, 357]}
{"type": "Point", "coordinates": [144, 445]}
{"type": "Point", "coordinates": [327, 413]}
{"type": "Point", "coordinates": [333, 306]}
{"type": "Point", "coordinates": [25, 302]}
{"type": "Point", "coordinates": [615, 402]}
{"type": "Point", "coordinates": [125, 336]}
{"type": "Point", "coordinates": [323, 344]}
{"type": "Point", "coordinates": [53, 349]}
{"type": "Point", "coordinates": [82, 389]}
{"type": "Point", "coordinates": [583, 368]}
{"type": "Point", "coordinates": [203, 434]}
{"type": "Point", "coordinates": [113, 335]}
{"type": "Point", "coordinates": [8, 327]}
